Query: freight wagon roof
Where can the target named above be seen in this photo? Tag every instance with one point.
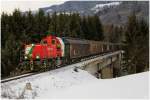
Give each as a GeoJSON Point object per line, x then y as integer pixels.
{"type": "Point", "coordinates": [70, 40]}
{"type": "Point", "coordinates": [74, 41]}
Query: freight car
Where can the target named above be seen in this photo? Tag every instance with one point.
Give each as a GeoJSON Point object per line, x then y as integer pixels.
{"type": "Point", "coordinates": [54, 51]}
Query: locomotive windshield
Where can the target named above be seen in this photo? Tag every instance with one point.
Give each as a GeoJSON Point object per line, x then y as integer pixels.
{"type": "Point", "coordinates": [43, 42]}
{"type": "Point", "coordinates": [53, 41]}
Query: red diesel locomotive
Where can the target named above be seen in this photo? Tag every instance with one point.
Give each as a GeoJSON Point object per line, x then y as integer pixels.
{"type": "Point", "coordinates": [50, 47]}
{"type": "Point", "coordinates": [54, 51]}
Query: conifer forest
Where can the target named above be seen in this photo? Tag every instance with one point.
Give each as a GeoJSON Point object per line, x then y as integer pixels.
{"type": "Point", "coordinates": [21, 28]}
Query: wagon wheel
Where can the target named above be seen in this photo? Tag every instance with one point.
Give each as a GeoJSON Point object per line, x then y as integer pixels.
{"type": "Point", "coordinates": [49, 64]}
{"type": "Point", "coordinates": [53, 63]}
{"type": "Point", "coordinates": [45, 64]}
{"type": "Point", "coordinates": [24, 66]}
{"type": "Point", "coordinates": [67, 61]}
{"type": "Point", "coordinates": [58, 62]}
{"type": "Point", "coordinates": [31, 66]}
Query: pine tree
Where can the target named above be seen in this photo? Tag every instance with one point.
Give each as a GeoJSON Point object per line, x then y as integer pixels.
{"type": "Point", "coordinates": [84, 27]}
{"type": "Point", "coordinates": [99, 28]}
{"type": "Point", "coordinates": [142, 47]}
{"type": "Point", "coordinates": [39, 26]}
{"type": "Point", "coordinates": [136, 45]}
{"type": "Point", "coordinates": [5, 28]}
{"type": "Point", "coordinates": [53, 27]}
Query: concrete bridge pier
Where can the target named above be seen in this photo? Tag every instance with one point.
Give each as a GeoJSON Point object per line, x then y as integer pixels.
{"type": "Point", "coordinates": [105, 67]}
{"type": "Point", "coordinates": [113, 69]}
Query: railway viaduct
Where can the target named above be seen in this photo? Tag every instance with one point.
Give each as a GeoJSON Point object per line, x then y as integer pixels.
{"type": "Point", "coordinates": [105, 66]}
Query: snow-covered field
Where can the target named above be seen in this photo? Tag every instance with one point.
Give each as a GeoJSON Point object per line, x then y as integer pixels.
{"type": "Point", "coordinates": [67, 83]}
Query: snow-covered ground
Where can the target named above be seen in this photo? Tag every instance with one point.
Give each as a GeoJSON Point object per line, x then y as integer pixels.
{"type": "Point", "coordinates": [128, 87]}
{"type": "Point", "coordinates": [67, 83]}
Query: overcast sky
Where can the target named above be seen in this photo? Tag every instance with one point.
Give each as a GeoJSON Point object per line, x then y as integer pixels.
{"type": "Point", "coordinates": [24, 5]}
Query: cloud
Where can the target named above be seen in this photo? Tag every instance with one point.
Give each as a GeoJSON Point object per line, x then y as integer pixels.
{"type": "Point", "coordinates": [8, 6]}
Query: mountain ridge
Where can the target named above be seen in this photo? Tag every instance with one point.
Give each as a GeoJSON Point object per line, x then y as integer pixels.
{"type": "Point", "coordinates": [111, 13]}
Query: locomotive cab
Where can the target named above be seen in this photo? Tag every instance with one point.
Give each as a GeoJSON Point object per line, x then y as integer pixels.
{"type": "Point", "coordinates": [49, 47]}
{"type": "Point", "coordinates": [49, 51]}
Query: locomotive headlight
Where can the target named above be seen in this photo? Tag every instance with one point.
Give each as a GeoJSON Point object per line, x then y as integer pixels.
{"type": "Point", "coordinates": [37, 57]}
{"type": "Point", "coordinates": [25, 57]}
{"type": "Point", "coordinates": [32, 45]}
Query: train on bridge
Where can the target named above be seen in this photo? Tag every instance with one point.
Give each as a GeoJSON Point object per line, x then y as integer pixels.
{"type": "Point", "coordinates": [54, 51]}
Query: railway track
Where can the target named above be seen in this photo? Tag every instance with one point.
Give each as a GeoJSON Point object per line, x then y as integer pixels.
{"type": "Point", "coordinates": [42, 71]}
{"type": "Point", "coordinates": [16, 77]}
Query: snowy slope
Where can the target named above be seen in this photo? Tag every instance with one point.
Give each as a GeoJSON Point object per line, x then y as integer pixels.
{"type": "Point", "coordinates": [128, 87]}
{"type": "Point", "coordinates": [49, 82]}
{"type": "Point", "coordinates": [66, 83]}
{"type": "Point", "coordinates": [99, 7]}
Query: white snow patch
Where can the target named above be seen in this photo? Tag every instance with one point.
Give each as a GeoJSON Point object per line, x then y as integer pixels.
{"type": "Point", "coordinates": [49, 10]}
{"type": "Point", "coordinates": [65, 12]}
{"type": "Point", "coordinates": [99, 7]}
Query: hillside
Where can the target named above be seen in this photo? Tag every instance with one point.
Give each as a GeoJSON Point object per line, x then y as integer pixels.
{"type": "Point", "coordinates": [109, 12]}
{"type": "Point", "coordinates": [119, 14]}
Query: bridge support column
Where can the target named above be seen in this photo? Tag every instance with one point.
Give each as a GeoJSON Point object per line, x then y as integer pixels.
{"type": "Point", "coordinates": [107, 73]}
{"type": "Point", "coordinates": [105, 67]}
